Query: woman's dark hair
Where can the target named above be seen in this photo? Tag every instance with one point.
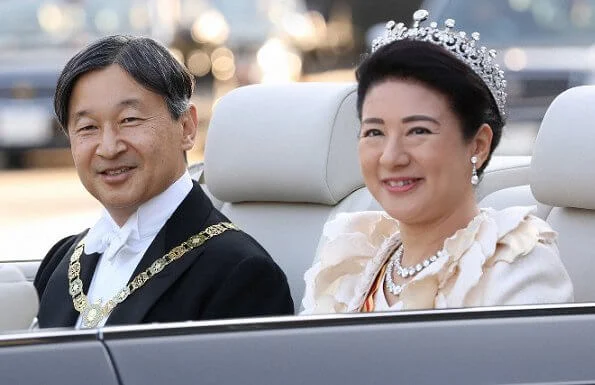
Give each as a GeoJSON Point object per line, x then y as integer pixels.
{"type": "Point", "coordinates": [148, 62]}
{"type": "Point", "coordinates": [470, 98]}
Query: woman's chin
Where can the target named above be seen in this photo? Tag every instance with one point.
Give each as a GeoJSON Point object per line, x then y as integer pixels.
{"type": "Point", "coordinates": [405, 215]}
{"type": "Point", "coordinates": [406, 209]}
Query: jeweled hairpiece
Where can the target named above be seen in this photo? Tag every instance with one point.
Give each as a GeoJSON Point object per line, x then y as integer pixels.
{"type": "Point", "coordinates": [480, 59]}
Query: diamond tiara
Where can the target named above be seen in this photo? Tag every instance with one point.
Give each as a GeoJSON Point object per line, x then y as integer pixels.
{"type": "Point", "coordinates": [479, 59]}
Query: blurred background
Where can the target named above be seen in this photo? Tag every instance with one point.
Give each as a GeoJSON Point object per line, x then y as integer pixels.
{"type": "Point", "coordinates": [545, 47]}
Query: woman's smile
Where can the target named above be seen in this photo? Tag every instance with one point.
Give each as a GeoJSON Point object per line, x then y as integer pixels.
{"type": "Point", "coordinates": [402, 184]}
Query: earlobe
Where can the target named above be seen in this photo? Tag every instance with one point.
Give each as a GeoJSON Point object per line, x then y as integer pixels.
{"type": "Point", "coordinates": [189, 127]}
{"type": "Point", "coordinates": [483, 143]}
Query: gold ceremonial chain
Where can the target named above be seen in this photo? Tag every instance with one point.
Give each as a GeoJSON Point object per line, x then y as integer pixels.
{"type": "Point", "coordinates": [93, 313]}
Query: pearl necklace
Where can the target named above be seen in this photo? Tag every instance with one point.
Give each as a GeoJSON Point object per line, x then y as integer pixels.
{"type": "Point", "coordinates": [405, 272]}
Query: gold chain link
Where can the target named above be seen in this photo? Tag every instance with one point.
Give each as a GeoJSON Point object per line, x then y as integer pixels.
{"type": "Point", "coordinates": [93, 313]}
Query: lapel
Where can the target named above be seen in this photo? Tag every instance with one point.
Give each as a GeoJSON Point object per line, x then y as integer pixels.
{"type": "Point", "coordinates": [189, 218]}
{"type": "Point", "coordinates": [58, 310]}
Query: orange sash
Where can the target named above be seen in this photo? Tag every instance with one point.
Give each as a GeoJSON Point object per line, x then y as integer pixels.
{"type": "Point", "coordinates": [369, 305]}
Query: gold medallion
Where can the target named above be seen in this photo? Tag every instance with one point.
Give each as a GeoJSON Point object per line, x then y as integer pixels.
{"type": "Point", "coordinates": [92, 315]}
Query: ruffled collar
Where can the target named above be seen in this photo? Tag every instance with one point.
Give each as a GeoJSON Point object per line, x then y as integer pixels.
{"type": "Point", "coordinates": [359, 244]}
{"type": "Point", "coordinates": [465, 254]}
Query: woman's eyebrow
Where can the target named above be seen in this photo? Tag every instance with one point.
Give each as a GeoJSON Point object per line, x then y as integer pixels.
{"type": "Point", "coordinates": [417, 118]}
{"type": "Point", "coordinates": [373, 121]}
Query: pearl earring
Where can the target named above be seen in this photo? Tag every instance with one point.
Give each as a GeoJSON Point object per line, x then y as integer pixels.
{"type": "Point", "coordinates": [474, 177]}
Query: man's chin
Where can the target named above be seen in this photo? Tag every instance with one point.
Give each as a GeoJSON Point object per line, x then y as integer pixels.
{"type": "Point", "coordinates": [120, 207]}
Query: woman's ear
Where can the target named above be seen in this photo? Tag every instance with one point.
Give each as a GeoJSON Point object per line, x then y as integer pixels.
{"type": "Point", "coordinates": [482, 143]}
{"type": "Point", "coordinates": [189, 127]}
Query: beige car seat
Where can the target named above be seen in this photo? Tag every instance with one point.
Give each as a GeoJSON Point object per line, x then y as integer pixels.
{"type": "Point", "coordinates": [280, 160]}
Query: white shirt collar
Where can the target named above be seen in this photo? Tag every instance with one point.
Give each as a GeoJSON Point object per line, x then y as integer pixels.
{"type": "Point", "coordinates": [145, 222]}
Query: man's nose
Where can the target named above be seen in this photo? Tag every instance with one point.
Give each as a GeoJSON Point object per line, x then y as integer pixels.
{"type": "Point", "coordinates": [110, 142]}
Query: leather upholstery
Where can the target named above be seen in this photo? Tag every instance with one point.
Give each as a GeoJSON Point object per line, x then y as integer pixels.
{"type": "Point", "coordinates": [562, 183]}
{"type": "Point", "coordinates": [18, 299]}
{"type": "Point", "coordinates": [282, 160]}
{"type": "Point", "coordinates": [562, 172]}
{"type": "Point", "coordinates": [285, 143]}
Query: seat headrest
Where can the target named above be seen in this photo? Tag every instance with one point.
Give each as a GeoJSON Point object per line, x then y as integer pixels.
{"type": "Point", "coordinates": [18, 299]}
{"type": "Point", "coordinates": [563, 151]}
{"type": "Point", "coordinates": [284, 143]}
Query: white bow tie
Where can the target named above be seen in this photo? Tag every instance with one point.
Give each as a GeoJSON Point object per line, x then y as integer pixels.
{"type": "Point", "coordinates": [107, 239]}
{"type": "Point", "coordinates": [111, 243]}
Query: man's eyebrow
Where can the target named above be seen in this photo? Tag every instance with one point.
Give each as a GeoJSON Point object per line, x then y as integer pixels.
{"type": "Point", "coordinates": [417, 118]}
{"type": "Point", "coordinates": [373, 121]}
{"type": "Point", "coordinates": [79, 114]}
{"type": "Point", "coordinates": [131, 102]}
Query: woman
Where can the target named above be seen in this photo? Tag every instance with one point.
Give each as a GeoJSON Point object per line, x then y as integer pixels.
{"type": "Point", "coordinates": [431, 104]}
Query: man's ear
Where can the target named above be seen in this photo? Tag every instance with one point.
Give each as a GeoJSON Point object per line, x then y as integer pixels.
{"type": "Point", "coordinates": [482, 143]}
{"type": "Point", "coordinates": [189, 127]}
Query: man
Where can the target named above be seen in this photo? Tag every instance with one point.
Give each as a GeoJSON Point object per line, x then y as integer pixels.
{"type": "Point", "coordinates": [160, 252]}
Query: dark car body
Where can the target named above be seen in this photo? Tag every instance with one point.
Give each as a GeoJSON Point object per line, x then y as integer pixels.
{"type": "Point", "coordinates": [517, 345]}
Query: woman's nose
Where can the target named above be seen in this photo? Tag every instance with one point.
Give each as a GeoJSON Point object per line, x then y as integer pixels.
{"type": "Point", "coordinates": [394, 153]}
